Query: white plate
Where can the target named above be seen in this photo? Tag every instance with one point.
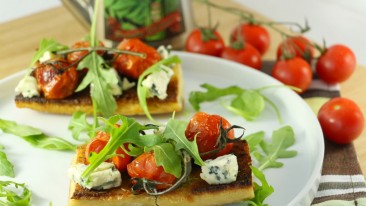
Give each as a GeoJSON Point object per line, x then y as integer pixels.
{"type": "Point", "coordinates": [45, 172]}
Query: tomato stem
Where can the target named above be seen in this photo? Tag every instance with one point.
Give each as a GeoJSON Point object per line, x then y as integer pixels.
{"type": "Point", "coordinates": [249, 17]}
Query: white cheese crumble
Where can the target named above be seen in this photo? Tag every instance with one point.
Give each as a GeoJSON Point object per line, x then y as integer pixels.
{"type": "Point", "coordinates": [114, 81]}
{"type": "Point", "coordinates": [157, 82]}
{"type": "Point", "coordinates": [222, 170]}
{"type": "Point", "coordinates": [127, 84]}
{"type": "Point", "coordinates": [47, 56]}
{"type": "Point", "coordinates": [28, 87]}
{"type": "Point", "coordinates": [164, 51]}
{"type": "Point", "coordinates": [105, 176]}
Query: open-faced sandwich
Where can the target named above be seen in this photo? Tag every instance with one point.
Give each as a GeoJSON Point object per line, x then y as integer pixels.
{"type": "Point", "coordinates": [64, 80]}
{"type": "Point", "coordinates": [199, 163]}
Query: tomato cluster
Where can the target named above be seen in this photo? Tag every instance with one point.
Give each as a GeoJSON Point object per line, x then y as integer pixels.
{"type": "Point", "coordinates": [248, 43]}
{"type": "Point", "coordinates": [295, 65]}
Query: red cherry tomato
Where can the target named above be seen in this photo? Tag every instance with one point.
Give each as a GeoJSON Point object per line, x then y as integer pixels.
{"type": "Point", "coordinates": [248, 56]}
{"type": "Point", "coordinates": [341, 120]}
{"type": "Point", "coordinates": [76, 56]}
{"type": "Point", "coordinates": [133, 66]}
{"type": "Point", "coordinates": [298, 46]}
{"type": "Point", "coordinates": [336, 65]}
{"type": "Point", "coordinates": [255, 35]}
{"type": "Point", "coordinates": [206, 127]}
{"type": "Point", "coordinates": [99, 142]}
{"type": "Point", "coordinates": [56, 79]}
{"type": "Point", "coordinates": [197, 43]}
{"type": "Point", "coordinates": [294, 72]}
{"type": "Point", "coordinates": [144, 166]}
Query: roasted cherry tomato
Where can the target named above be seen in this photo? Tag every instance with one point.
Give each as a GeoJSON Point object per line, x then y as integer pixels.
{"type": "Point", "coordinates": [248, 55]}
{"type": "Point", "coordinates": [336, 64]}
{"type": "Point", "coordinates": [207, 129]}
{"type": "Point", "coordinates": [144, 166]}
{"type": "Point", "coordinates": [341, 120]}
{"type": "Point", "coordinates": [294, 72]}
{"type": "Point", "coordinates": [76, 56]}
{"type": "Point", "coordinates": [99, 142]}
{"type": "Point", "coordinates": [255, 35]}
{"type": "Point", "coordinates": [205, 41]}
{"type": "Point", "coordinates": [57, 79]}
{"type": "Point", "coordinates": [297, 46]}
{"type": "Point", "coordinates": [133, 66]}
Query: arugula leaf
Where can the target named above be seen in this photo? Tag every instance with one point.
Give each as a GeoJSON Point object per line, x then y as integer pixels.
{"type": "Point", "coordinates": [79, 124]}
{"type": "Point", "coordinates": [142, 92]}
{"type": "Point", "coordinates": [100, 90]}
{"type": "Point", "coordinates": [6, 167]}
{"type": "Point", "coordinates": [212, 94]}
{"type": "Point", "coordinates": [14, 198]}
{"type": "Point", "coordinates": [248, 103]}
{"type": "Point", "coordinates": [175, 131]}
{"type": "Point", "coordinates": [254, 140]}
{"type": "Point", "coordinates": [128, 131]}
{"type": "Point", "coordinates": [261, 192]}
{"type": "Point", "coordinates": [166, 157]}
{"type": "Point", "coordinates": [35, 136]}
{"type": "Point", "coordinates": [46, 45]}
{"type": "Point", "coordinates": [282, 139]}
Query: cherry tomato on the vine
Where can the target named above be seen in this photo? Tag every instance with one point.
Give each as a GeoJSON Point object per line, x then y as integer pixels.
{"type": "Point", "coordinates": [206, 127]}
{"type": "Point", "coordinates": [134, 66]}
{"type": "Point", "coordinates": [99, 142]}
{"type": "Point", "coordinates": [336, 64]}
{"type": "Point", "coordinates": [144, 166]}
{"type": "Point", "coordinates": [341, 120]}
{"type": "Point", "coordinates": [205, 41]}
{"type": "Point", "coordinates": [294, 72]}
{"type": "Point", "coordinates": [298, 46]}
{"type": "Point", "coordinates": [255, 35]}
{"type": "Point", "coordinates": [57, 79]}
{"type": "Point", "coordinates": [248, 55]}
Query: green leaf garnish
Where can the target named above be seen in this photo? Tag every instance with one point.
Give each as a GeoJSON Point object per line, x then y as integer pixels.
{"type": "Point", "coordinates": [254, 140]}
{"type": "Point", "coordinates": [247, 103]}
{"type": "Point", "coordinates": [174, 130]}
{"type": "Point", "coordinates": [282, 139]}
{"type": "Point", "coordinates": [79, 124]}
{"type": "Point", "coordinates": [100, 90]}
{"type": "Point", "coordinates": [35, 136]}
{"type": "Point", "coordinates": [142, 92]}
{"type": "Point", "coordinates": [14, 194]}
{"type": "Point", "coordinates": [166, 157]}
{"type": "Point", "coordinates": [261, 192]}
{"type": "Point", "coordinates": [44, 46]}
{"type": "Point", "coordinates": [6, 167]}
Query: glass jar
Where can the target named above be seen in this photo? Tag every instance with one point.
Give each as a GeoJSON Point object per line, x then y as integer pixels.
{"type": "Point", "coordinates": [157, 22]}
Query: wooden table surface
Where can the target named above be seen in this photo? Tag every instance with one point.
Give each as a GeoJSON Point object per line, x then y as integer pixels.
{"type": "Point", "coordinates": [20, 38]}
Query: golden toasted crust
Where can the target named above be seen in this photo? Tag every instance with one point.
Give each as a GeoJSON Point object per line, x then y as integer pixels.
{"type": "Point", "coordinates": [194, 192]}
{"type": "Point", "coordinates": [127, 103]}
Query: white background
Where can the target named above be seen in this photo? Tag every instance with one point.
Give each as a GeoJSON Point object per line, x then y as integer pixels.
{"type": "Point", "coordinates": [336, 21]}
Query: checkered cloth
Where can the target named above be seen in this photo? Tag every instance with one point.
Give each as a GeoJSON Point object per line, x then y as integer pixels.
{"type": "Point", "coordinates": [342, 182]}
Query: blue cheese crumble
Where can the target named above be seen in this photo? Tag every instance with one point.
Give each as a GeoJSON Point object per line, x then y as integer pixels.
{"type": "Point", "coordinates": [28, 87]}
{"type": "Point", "coordinates": [222, 170]}
{"type": "Point", "coordinates": [105, 176]}
{"type": "Point", "coordinates": [157, 82]}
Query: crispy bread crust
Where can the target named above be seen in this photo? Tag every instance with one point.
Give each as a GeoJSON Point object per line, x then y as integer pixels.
{"type": "Point", "coordinates": [127, 103]}
{"type": "Point", "coordinates": [194, 192]}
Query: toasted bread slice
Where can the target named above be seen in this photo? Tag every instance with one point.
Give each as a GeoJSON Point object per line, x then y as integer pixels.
{"type": "Point", "coordinates": [194, 192]}
{"type": "Point", "coordinates": [127, 103]}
